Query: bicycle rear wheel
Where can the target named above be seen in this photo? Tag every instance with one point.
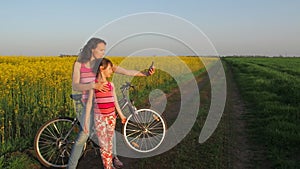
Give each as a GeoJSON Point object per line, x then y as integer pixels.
{"type": "Point", "coordinates": [144, 130]}
{"type": "Point", "coordinates": [53, 141]}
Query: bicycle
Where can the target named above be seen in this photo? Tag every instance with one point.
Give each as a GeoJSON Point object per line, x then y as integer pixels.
{"type": "Point", "coordinates": [143, 131]}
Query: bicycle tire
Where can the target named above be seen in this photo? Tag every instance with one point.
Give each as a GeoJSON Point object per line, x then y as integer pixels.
{"type": "Point", "coordinates": [144, 130]}
{"type": "Point", "coordinates": [50, 147]}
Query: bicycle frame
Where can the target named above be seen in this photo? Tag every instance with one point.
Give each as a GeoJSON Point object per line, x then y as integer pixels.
{"type": "Point", "coordinates": [74, 123]}
{"type": "Point", "coordinates": [125, 101]}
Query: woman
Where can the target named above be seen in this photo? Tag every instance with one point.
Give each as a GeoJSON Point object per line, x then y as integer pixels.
{"type": "Point", "coordinates": [84, 80]}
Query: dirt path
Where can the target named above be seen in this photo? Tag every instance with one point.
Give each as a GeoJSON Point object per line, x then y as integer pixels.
{"type": "Point", "coordinates": [239, 148]}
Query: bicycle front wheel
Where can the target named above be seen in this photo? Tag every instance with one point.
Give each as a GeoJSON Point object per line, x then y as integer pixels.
{"type": "Point", "coordinates": [53, 141]}
{"type": "Point", "coordinates": [144, 130]}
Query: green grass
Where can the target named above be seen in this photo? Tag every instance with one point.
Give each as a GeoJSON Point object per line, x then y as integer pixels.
{"type": "Point", "coordinates": [18, 160]}
{"type": "Point", "coordinates": [271, 91]}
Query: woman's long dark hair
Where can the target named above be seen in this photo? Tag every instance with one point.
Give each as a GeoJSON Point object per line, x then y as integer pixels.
{"type": "Point", "coordinates": [86, 52]}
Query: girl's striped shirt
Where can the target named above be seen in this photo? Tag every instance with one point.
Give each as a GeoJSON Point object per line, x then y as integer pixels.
{"type": "Point", "coordinates": [105, 101]}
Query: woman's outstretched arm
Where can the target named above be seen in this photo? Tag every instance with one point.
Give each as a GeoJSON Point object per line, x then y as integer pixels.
{"type": "Point", "coordinates": [120, 70]}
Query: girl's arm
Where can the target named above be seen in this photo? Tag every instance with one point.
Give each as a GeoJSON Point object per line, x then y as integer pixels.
{"type": "Point", "coordinates": [88, 109]}
{"type": "Point", "coordinates": [120, 70]}
{"type": "Point", "coordinates": [123, 118]}
{"type": "Point", "coordinates": [77, 86]}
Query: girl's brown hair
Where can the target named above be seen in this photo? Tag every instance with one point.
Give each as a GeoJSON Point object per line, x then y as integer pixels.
{"type": "Point", "coordinates": [101, 62]}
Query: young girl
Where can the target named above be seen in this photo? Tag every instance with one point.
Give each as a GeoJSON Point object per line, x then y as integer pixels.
{"type": "Point", "coordinates": [105, 104]}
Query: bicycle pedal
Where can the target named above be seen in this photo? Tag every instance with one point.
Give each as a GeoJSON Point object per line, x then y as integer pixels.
{"type": "Point", "coordinates": [135, 144]}
{"type": "Point", "coordinates": [156, 118]}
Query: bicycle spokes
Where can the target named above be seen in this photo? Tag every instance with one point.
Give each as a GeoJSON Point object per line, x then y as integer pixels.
{"type": "Point", "coordinates": [144, 130]}
{"type": "Point", "coordinates": [54, 141]}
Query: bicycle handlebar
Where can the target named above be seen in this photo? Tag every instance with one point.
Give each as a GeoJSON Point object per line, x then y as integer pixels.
{"type": "Point", "coordinates": [126, 86]}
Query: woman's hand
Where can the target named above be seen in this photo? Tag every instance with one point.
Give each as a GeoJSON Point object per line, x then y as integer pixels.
{"type": "Point", "coordinates": [151, 71]}
{"type": "Point", "coordinates": [101, 87]}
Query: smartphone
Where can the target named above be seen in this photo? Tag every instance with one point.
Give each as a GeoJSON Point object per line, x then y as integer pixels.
{"type": "Point", "coordinates": [151, 67]}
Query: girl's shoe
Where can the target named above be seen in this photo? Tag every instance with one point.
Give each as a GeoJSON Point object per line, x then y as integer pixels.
{"type": "Point", "coordinates": [117, 163]}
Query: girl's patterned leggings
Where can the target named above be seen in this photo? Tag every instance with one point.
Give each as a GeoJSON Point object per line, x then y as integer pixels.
{"type": "Point", "coordinates": [105, 127]}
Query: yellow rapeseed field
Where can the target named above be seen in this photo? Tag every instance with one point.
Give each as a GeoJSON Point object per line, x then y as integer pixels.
{"type": "Point", "coordinates": [35, 89]}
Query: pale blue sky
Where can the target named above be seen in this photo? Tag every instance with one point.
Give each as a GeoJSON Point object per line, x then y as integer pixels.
{"type": "Point", "coordinates": [256, 27]}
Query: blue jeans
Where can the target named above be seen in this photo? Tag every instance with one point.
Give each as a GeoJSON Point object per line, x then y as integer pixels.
{"type": "Point", "coordinates": [79, 142]}
{"type": "Point", "coordinates": [77, 149]}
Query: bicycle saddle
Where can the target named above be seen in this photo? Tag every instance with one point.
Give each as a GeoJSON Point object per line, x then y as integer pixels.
{"type": "Point", "coordinates": [76, 97]}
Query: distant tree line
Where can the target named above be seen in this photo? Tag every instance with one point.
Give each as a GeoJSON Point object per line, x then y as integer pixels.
{"type": "Point", "coordinates": [259, 56]}
{"type": "Point", "coordinates": [64, 55]}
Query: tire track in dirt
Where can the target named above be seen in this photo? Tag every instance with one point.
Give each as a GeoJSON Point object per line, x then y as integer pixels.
{"type": "Point", "coordinates": [242, 151]}
{"type": "Point", "coordinates": [238, 147]}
